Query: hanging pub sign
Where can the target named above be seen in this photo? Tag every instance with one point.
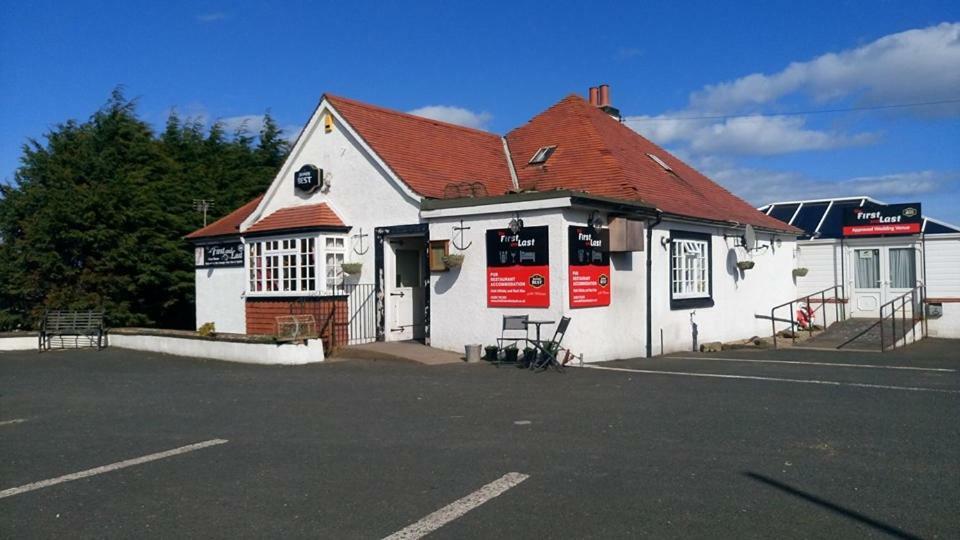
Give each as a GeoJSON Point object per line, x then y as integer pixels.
{"type": "Point", "coordinates": [225, 254]}
{"type": "Point", "coordinates": [875, 220]}
{"type": "Point", "coordinates": [589, 264]}
{"type": "Point", "coordinates": [307, 179]}
{"type": "Point", "coordinates": [518, 267]}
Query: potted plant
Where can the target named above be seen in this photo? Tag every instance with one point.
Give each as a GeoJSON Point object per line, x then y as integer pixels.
{"type": "Point", "coordinates": [452, 260]}
{"type": "Point", "coordinates": [529, 353]}
{"type": "Point", "coordinates": [490, 353]}
{"type": "Point", "coordinates": [352, 268]}
{"type": "Point", "coordinates": [745, 265]}
{"type": "Point", "coordinates": [800, 272]}
{"type": "Point", "coordinates": [510, 354]}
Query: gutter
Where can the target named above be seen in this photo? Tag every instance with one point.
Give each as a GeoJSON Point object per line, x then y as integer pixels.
{"type": "Point", "coordinates": [650, 283]}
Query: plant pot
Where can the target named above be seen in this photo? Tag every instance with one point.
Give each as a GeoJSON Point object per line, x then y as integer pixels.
{"type": "Point", "coordinates": [490, 353]}
{"type": "Point", "coordinates": [351, 269]}
{"type": "Point", "coordinates": [529, 354]}
{"type": "Point", "coordinates": [452, 260]}
{"type": "Point", "coordinates": [745, 265]}
{"type": "Point", "coordinates": [800, 272]}
{"type": "Point", "coordinates": [510, 354]}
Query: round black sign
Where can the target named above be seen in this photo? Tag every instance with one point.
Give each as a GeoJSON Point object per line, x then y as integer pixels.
{"type": "Point", "coordinates": [307, 178]}
{"type": "Point", "coordinates": [603, 280]}
{"type": "Point", "coordinates": [536, 281]}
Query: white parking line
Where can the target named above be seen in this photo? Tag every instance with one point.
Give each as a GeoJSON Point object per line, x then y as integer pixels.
{"type": "Point", "coordinates": [777, 379]}
{"type": "Point", "coordinates": [12, 422]}
{"type": "Point", "coordinates": [458, 508]}
{"type": "Point", "coordinates": [835, 364]}
{"type": "Point", "coordinates": [107, 468]}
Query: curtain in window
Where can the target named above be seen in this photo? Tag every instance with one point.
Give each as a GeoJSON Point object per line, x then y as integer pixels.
{"type": "Point", "coordinates": [867, 268]}
{"type": "Point", "coordinates": [902, 268]}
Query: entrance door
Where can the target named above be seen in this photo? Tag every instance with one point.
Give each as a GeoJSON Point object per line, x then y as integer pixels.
{"type": "Point", "coordinates": [867, 284]}
{"type": "Point", "coordinates": [880, 275]}
{"type": "Point", "coordinates": [405, 319]}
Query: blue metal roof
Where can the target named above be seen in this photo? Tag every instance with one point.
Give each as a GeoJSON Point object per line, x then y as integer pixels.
{"type": "Point", "coordinates": [823, 218]}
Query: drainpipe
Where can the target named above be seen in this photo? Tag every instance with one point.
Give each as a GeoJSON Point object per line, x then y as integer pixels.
{"type": "Point", "coordinates": [650, 283]}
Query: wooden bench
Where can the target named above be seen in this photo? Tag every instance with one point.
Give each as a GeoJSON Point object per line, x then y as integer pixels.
{"type": "Point", "coordinates": [60, 323]}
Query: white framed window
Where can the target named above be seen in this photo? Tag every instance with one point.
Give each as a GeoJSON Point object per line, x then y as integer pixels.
{"type": "Point", "coordinates": [281, 267]}
{"type": "Point", "coordinates": [689, 268]}
{"type": "Point", "coordinates": [334, 253]}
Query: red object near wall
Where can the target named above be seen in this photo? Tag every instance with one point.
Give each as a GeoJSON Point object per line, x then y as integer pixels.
{"type": "Point", "coordinates": [330, 312]}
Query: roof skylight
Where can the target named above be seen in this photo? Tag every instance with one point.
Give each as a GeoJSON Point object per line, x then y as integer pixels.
{"type": "Point", "coordinates": [542, 155]}
{"type": "Point", "coordinates": [660, 162]}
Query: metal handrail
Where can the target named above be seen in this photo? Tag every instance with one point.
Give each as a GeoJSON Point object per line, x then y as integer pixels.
{"type": "Point", "coordinates": [917, 297]}
{"type": "Point", "coordinates": [839, 310]}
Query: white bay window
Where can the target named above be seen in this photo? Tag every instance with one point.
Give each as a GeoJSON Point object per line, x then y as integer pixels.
{"type": "Point", "coordinates": [288, 266]}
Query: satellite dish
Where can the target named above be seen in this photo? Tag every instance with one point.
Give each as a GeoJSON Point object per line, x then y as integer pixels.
{"type": "Point", "coordinates": [749, 238]}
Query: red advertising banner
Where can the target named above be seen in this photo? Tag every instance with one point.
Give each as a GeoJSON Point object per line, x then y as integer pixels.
{"type": "Point", "coordinates": [895, 228]}
{"type": "Point", "coordinates": [589, 263]}
{"type": "Point", "coordinates": [518, 267]}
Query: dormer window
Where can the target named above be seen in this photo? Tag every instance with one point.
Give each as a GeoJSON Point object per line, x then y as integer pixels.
{"type": "Point", "coordinates": [542, 155]}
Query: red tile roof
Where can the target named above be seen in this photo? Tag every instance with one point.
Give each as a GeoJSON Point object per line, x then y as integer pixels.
{"type": "Point", "coordinates": [298, 217]}
{"type": "Point", "coordinates": [228, 224]}
{"type": "Point", "coordinates": [428, 155]}
{"type": "Point", "coordinates": [597, 154]}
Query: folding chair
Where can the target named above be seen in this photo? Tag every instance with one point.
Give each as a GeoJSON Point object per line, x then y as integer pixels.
{"type": "Point", "coordinates": [512, 323]}
{"type": "Point", "coordinates": [548, 349]}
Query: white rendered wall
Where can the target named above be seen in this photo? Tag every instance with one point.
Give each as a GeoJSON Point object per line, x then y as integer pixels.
{"type": "Point", "coordinates": [737, 296]}
{"type": "Point", "coordinates": [19, 343]}
{"type": "Point", "coordinates": [459, 314]}
{"type": "Point", "coordinates": [247, 353]}
{"type": "Point", "coordinates": [220, 298]}
{"type": "Point", "coordinates": [362, 192]}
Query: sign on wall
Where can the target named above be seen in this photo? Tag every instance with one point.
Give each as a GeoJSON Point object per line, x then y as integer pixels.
{"type": "Point", "coordinates": [307, 179]}
{"type": "Point", "coordinates": [518, 267]}
{"type": "Point", "coordinates": [589, 263]}
{"type": "Point", "coordinates": [891, 219]}
{"type": "Point", "coordinates": [224, 254]}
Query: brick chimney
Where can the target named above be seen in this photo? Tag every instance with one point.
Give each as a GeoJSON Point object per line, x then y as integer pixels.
{"type": "Point", "coordinates": [600, 98]}
{"type": "Point", "coordinates": [594, 96]}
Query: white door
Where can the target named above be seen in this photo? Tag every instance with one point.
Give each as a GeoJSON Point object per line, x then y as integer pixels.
{"type": "Point", "coordinates": [867, 283]}
{"type": "Point", "coordinates": [881, 274]}
{"type": "Point", "coordinates": [406, 294]}
{"type": "Point", "coordinates": [901, 266]}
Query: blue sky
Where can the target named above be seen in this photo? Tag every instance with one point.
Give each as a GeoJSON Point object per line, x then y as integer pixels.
{"type": "Point", "coordinates": [495, 64]}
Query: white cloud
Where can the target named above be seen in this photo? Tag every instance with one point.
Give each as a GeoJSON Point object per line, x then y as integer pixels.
{"type": "Point", "coordinates": [912, 66]}
{"type": "Point", "coordinates": [454, 115]}
{"type": "Point", "coordinates": [753, 135]}
{"type": "Point", "coordinates": [909, 67]}
{"type": "Point", "coordinates": [211, 17]}
{"type": "Point", "coordinates": [760, 186]}
{"type": "Point", "coordinates": [252, 123]}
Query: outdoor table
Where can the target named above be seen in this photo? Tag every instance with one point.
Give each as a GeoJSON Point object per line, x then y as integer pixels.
{"type": "Point", "coordinates": [538, 324]}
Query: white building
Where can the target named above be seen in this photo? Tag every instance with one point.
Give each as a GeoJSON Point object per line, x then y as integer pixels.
{"type": "Point", "coordinates": [875, 263]}
{"type": "Point", "coordinates": [572, 214]}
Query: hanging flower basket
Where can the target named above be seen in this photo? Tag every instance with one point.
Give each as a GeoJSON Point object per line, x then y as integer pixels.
{"type": "Point", "coordinates": [352, 269]}
{"type": "Point", "coordinates": [745, 265]}
{"type": "Point", "coordinates": [800, 272]}
{"type": "Point", "coordinates": [453, 260]}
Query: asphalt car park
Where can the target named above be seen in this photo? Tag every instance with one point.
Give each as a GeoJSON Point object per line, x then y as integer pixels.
{"type": "Point", "coordinates": [737, 444]}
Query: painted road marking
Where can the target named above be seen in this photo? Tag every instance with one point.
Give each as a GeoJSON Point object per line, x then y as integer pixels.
{"type": "Point", "coordinates": [12, 422]}
{"type": "Point", "coordinates": [777, 379]}
{"type": "Point", "coordinates": [458, 508]}
{"type": "Point", "coordinates": [107, 468]}
{"type": "Point", "coordinates": [758, 361]}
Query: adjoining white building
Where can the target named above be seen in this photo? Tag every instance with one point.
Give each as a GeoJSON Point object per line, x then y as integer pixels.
{"type": "Point", "coordinates": [392, 227]}
{"type": "Point", "coordinates": [877, 252]}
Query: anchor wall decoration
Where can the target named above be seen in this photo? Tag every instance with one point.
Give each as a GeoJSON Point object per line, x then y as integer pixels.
{"type": "Point", "coordinates": [460, 230]}
{"type": "Point", "coordinates": [358, 247]}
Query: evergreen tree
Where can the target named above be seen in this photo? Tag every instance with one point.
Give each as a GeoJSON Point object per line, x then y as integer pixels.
{"type": "Point", "coordinates": [96, 216]}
